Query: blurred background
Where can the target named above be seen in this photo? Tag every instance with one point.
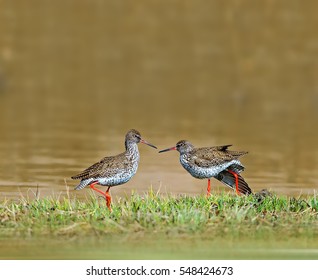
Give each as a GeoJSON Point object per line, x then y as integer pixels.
{"type": "Point", "coordinates": [76, 75]}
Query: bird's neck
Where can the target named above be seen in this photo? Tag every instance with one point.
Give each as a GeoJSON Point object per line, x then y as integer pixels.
{"type": "Point", "coordinates": [132, 149]}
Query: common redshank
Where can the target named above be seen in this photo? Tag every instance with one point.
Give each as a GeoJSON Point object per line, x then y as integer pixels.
{"type": "Point", "coordinates": [217, 162]}
{"type": "Point", "coordinates": [114, 170]}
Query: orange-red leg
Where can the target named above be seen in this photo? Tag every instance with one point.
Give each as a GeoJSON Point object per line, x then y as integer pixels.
{"type": "Point", "coordinates": [106, 194]}
{"type": "Point", "coordinates": [209, 188]}
{"type": "Point", "coordinates": [108, 199]}
{"type": "Point", "coordinates": [95, 189]}
{"type": "Point", "coordinates": [236, 181]}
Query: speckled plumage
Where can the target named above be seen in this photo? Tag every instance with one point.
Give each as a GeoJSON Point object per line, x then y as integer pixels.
{"type": "Point", "coordinates": [208, 162]}
{"type": "Point", "coordinates": [114, 170]}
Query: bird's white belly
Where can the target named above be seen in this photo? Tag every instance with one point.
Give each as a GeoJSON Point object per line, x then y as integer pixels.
{"type": "Point", "coordinates": [121, 177]}
{"type": "Point", "coordinates": [206, 172]}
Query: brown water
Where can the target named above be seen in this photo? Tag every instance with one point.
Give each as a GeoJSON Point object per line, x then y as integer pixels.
{"type": "Point", "coordinates": [161, 247]}
{"type": "Point", "coordinates": [76, 75]}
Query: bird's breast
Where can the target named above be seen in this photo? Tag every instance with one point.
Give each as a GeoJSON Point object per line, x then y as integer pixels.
{"type": "Point", "coordinates": [202, 172]}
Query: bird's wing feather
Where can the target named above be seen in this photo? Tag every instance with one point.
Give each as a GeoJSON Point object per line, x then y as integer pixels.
{"type": "Point", "coordinates": [222, 148]}
{"type": "Point", "coordinates": [106, 166]}
{"type": "Point", "coordinates": [202, 161]}
{"type": "Point", "coordinates": [228, 179]}
{"type": "Point", "coordinates": [211, 156]}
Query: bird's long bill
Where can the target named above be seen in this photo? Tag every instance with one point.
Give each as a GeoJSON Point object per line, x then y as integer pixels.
{"type": "Point", "coordinates": [167, 150]}
{"type": "Point", "coordinates": [147, 143]}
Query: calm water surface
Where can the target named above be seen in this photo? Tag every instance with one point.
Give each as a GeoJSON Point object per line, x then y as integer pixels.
{"type": "Point", "coordinates": [161, 247]}
{"type": "Point", "coordinates": [75, 76]}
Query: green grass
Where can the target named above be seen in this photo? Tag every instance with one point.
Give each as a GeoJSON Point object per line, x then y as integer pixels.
{"type": "Point", "coordinates": [156, 226]}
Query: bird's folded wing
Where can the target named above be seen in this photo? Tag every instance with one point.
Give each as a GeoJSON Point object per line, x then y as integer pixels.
{"type": "Point", "coordinates": [99, 169]}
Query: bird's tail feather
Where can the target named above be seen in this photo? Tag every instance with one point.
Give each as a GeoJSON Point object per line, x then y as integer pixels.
{"type": "Point", "coordinates": [237, 168]}
{"type": "Point", "coordinates": [83, 184]}
{"type": "Point", "coordinates": [228, 179]}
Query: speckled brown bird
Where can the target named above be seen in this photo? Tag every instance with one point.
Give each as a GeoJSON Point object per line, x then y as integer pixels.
{"type": "Point", "coordinates": [113, 170]}
{"type": "Point", "coordinates": [217, 162]}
